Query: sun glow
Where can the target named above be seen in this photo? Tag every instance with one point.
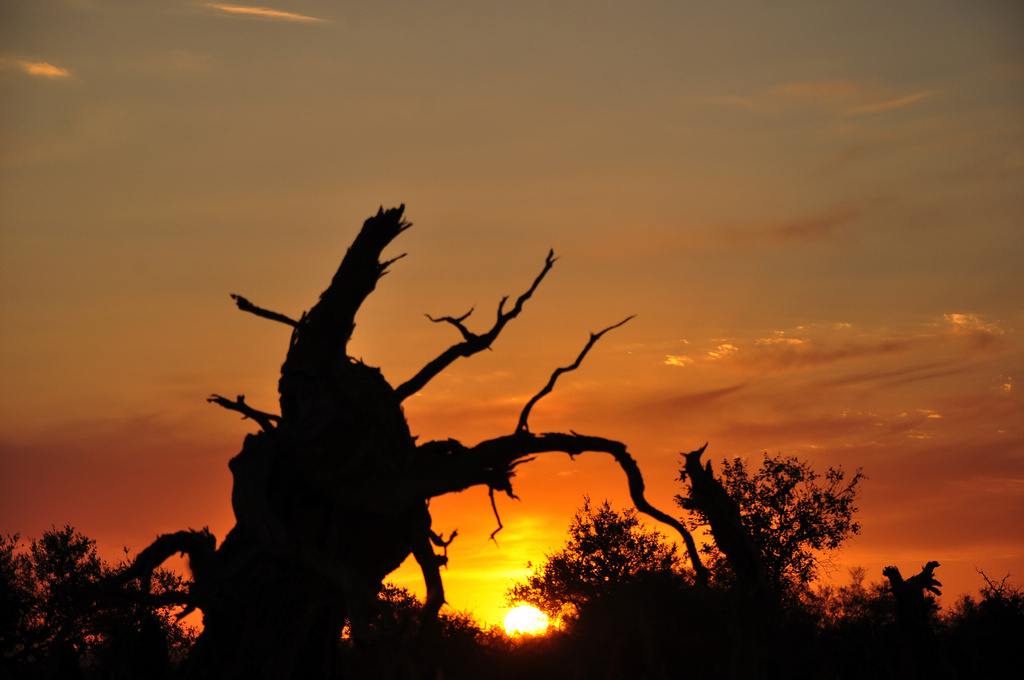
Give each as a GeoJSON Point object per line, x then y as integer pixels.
{"type": "Point", "coordinates": [526, 620]}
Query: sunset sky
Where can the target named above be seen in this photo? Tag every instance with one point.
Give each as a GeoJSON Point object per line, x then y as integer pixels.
{"type": "Point", "coordinates": [815, 210]}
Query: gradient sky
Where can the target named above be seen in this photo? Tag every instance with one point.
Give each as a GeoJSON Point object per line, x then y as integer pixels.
{"type": "Point", "coordinates": [815, 210]}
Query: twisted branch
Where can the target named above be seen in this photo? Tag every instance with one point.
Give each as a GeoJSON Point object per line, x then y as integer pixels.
{"type": "Point", "coordinates": [594, 337]}
{"type": "Point", "coordinates": [472, 343]}
{"type": "Point", "coordinates": [491, 463]}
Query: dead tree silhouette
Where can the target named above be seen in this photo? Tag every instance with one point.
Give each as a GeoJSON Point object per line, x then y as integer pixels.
{"type": "Point", "coordinates": [756, 614]}
{"type": "Point", "coordinates": [332, 495]}
{"type": "Point", "coordinates": [912, 603]}
{"type": "Point", "coordinates": [920, 654]}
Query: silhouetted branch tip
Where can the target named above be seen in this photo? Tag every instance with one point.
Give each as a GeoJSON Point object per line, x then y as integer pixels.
{"type": "Point", "coordinates": [457, 322]}
{"type": "Point", "coordinates": [387, 263]}
{"type": "Point", "coordinates": [523, 426]}
{"type": "Point", "coordinates": [265, 420]}
{"type": "Point", "coordinates": [497, 517]}
{"type": "Point", "coordinates": [439, 539]}
{"type": "Point", "coordinates": [247, 306]}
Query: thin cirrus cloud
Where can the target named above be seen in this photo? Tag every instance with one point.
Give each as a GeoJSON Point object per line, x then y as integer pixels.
{"type": "Point", "coordinates": [893, 377]}
{"type": "Point", "coordinates": [262, 12]}
{"type": "Point", "coordinates": [823, 226]}
{"type": "Point", "coordinates": [838, 97]}
{"type": "Point", "coordinates": [44, 69]}
{"type": "Point", "coordinates": [956, 337]}
{"type": "Point", "coordinates": [889, 105]}
{"type": "Point", "coordinates": [829, 226]}
{"type": "Point", "coordinates": [846, 98]}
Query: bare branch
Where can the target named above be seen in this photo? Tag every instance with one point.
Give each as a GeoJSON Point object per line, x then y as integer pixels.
{"type": "Point", "coordinates": [450, 467]}
{"type": "Point", "coordinates": [466, 334]}
{"type": "Point", "coordinates": [200, 546]}
{"type": "Point", "coordinates": [594, 337]}
{"type": "Point", "coordinates": [387, 263]}
{"type": "Point", "coordinates": [247, 306]}
{"type": "Point", "coordinates": [497, 517]}
{"type": "Point", "coordinates": [265, 420]}
{"type": "Point", "coordinates": [440, 541]}
{"type": "Point", "coordinates": [472, 343]}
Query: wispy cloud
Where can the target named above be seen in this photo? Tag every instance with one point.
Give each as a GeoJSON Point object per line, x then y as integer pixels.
{"type": "Point", "coordinates": [823, 92]}
{"type": "Point", "coordinates": [830, 225]}
{"type": "Point", "coordinates": [879, 107]}
{"type": "Point", "coordinates": [957, 337]}
{"type": "Point", "coordinates": [971, 323]}
{"type": "Point", "coordinates": [838, 97]}
{"type": "Point", "coordinates": [779, 338]}
{"type": "Point", "coordinates": [892, 377]}
{"type": "Point", "coordinates": [796, 356]}
{"type": "Point", "coordinates": [44, 69]}
{"type": "Point", "coordinates": [823, 226]}
{"type": "Point", "coordinates": [671, 404]}
{"type": "Point", "coordinates": [723, 350]}
{"type": "Point", "coordinates": [846, 98]}
{"type": "Point", "coordinates": [800, 230]}
{"type": "Point", "coordinates": [820, 227]}
{"type": "Point", "coordinates": [262, 12]}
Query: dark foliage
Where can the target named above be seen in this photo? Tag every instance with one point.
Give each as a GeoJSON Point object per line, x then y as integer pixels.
{"type": "Point", "coordinates": [984, 636]}
{"type": "Point", "coordinates": [794, 520]}
{"type": "Point", "coordinates": [650, 623]}
{"type": "Point", "coordinates": [333, 494]}
{"type": "Point", "coordinates": [60, 617]}
{"type": "Point", "coordinates": [605, 551]}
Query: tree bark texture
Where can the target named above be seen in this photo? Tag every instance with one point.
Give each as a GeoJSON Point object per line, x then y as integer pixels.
{"type": "Point", "coordinates": [332, 495]}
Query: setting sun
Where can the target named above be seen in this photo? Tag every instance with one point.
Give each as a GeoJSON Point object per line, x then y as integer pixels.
{"type": "Point", "coordinates": [526, 620]}
{"type": "Point", "coordinates": [811, 212]}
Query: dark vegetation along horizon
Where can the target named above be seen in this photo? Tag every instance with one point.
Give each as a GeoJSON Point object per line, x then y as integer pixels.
{"type": "Point", "coordinates": [332, 494]}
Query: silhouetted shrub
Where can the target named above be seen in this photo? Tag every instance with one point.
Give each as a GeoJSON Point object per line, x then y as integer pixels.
{"type": "Point", "coordinates": [57, 620]}
{"type": "Point", "coordinates": [984, 637]}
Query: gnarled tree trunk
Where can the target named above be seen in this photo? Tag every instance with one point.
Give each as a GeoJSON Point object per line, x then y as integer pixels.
{"type": "Point", "coordinates": [755, 618]}
{"type": "Point", "coordinates": [331, 496]}
{"type": "Point", "coordinates": [920, 654]}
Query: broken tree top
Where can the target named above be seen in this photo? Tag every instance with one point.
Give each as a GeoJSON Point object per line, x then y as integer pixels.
{"type": "Point", "coordinates": [332, 494]}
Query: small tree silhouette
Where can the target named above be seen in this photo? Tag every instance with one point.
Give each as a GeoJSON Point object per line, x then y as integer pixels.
{"type": "Point", "coordinates": [332, 495]}
{"type": "Point", "coordinates": [57, 614]}
{"type": "Point", "coordinates": [42, 588]}
{"type": "Point", "coordinates": [793, 521]}
{"type": "Point", "coordinates": [605, 551]}
{"type": "Point", "coordinates": [767, 530]}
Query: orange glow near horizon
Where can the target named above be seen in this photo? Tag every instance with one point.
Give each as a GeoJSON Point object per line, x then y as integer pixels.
{"type": "Point", "coordinates": [813, 212]}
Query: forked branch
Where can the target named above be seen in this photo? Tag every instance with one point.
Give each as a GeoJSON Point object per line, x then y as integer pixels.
{"type": "Point", "coordinates": [266, 420]}
{"type": "Point", "coordinates": [472, 343]}
{"type": "Point", "coordinates": [466, 333]}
